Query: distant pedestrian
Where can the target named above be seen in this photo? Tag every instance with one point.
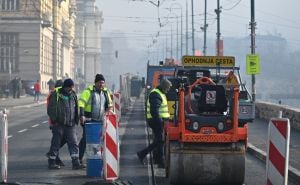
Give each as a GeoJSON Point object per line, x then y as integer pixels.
{"type": "Point", "coordinates": [51, 84]}
{"type": "Point", "coordinates": [37, 90]}
{"type": "Point", "coordinates": [18, 87]}
{"type": "Point", "coordinates": [14, 84]}
{"type": "Point", "coordinates": [63, 111]}
{"type": "Point", "coordinates": [93, 102]}
{"type": "Point", "coordinates": [7, 90]}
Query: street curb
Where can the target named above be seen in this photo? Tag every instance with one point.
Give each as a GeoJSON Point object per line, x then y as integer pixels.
{"type": "Point", "coordinates": [294, 174]}
{"type": "Point", "coordinates": [256, 152]}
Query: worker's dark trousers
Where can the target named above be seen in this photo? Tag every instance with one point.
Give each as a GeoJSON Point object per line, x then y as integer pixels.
{"type": "Point", "coordinates": [82, 144]}
{"type": "Point", "coordinates": [69, 134]}
{"type": "Point", "coordinates": [157, 144]}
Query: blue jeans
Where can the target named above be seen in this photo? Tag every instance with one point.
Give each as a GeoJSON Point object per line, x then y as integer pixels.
{"type": "Point", "coordinates": [36, 96]}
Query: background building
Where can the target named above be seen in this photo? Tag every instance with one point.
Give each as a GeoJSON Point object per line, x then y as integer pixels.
{"type": "Point", "coordinates": [88, 32]}
{"type": "Point", "coordinates": [37, 40]}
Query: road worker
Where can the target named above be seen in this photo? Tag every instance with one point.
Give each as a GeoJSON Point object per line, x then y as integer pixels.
{"type": "Point", "coordinates": [63, 111]}
{"type": "Point", "coordinates": [58, 161]}
{"type": "Point", "coordinates": [157, 113]}
{"type": "Point", "coordinates": [94, 101]}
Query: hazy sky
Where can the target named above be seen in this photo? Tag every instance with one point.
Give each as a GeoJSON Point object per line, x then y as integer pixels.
{"type": "Point", "coordinates": [139, 19]}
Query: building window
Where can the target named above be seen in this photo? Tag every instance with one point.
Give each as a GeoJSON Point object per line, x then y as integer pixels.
{"type": "Point", "coordinates": [10, 5]}
{"type": "Point", "coordinates": [46, 63]}
{"type": "Point", "coordinates": [9, 61]}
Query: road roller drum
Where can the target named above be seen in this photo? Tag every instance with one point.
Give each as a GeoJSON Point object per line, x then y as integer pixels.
{"type": "Point", "coordinates": [206, 164]}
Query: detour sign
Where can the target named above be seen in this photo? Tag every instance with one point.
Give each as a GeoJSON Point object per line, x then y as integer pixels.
{"type": "Point", "coordinates": [252, 64]}
{"type": "Point", "coordinates": [210, 61]}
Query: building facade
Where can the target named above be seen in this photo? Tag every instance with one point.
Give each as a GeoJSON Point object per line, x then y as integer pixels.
{"type": "Point", "coordinates": [37, 40]}
{"type": "Point", "coordinates": [88, 32]}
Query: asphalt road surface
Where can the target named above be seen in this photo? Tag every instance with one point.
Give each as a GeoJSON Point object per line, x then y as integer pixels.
{"type": "Point", "coordinates": [29, 140]}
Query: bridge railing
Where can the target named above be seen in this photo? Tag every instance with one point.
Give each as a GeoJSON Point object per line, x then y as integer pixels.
{"type": "Point", "coordinates": [267, 110]}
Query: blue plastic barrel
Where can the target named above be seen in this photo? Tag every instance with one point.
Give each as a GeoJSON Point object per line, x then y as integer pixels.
{"type": "Point", "coordinates": [94, 143]}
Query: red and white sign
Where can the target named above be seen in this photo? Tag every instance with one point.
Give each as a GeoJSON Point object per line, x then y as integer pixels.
{"type": "Point", "coordinates": [111, 147]}
{"type": "Point", "coordinates": [278, 151]}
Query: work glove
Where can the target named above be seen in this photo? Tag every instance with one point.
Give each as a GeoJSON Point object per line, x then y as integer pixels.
{"type": "Point", "coordinates": [158, 120]}
{"type": "Point", "coordinates": [50, 122]}
{"type": "Point", "coordinates": [111, 111]}
{"type": "Point", "coordinates": [82, 120]}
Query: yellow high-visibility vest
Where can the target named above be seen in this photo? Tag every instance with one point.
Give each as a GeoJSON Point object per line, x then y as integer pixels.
{"type": "Point", "coordinates": [85, 98]}
{"type": "Point", "coordinates": [163, 109]}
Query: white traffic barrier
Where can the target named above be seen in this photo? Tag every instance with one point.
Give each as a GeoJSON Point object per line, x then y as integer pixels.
{"type": "Point", "coordinates": [111, 147]}
{"type": "Point", "coordinates": [4, 145]}
{"type": "Point", "coordinates": [117, 105]}
{"type": "Point", "coordinates": [278, 151]}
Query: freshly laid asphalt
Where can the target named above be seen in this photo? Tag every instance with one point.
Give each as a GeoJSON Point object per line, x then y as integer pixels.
{"type": "Point", "coordinates": [257, 145]}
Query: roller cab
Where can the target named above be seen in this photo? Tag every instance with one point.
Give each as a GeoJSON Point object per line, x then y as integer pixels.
{"type": "Point", "coordinates": [206, 141]}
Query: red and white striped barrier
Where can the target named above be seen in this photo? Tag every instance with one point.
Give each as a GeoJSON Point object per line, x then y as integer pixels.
{"type": "Point", "coordinates": [278, 151]}
{"type": "Point", "coordinates": [111, 147]}
{"type": "Point", "coordinates": [117, 105]}
{"type": "Point", "coordinates": [4, 145]}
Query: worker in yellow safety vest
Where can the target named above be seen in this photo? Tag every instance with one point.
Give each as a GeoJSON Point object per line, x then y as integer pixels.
{"type": "Point", "coordinates": [157, 113]}
{"type": "Point", "coordinates": [94, 101]}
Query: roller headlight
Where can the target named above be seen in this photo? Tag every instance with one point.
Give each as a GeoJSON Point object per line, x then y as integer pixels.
{"type": "Point", "coordinates": [195, 125]}
{"type": "Point", "coordinates": [221, 126]}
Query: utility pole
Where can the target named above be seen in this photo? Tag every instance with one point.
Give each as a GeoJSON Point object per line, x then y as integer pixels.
{"type": "Point", "coordinates": [186, 28]}
{"type": "Point", "coordinates": [177, 48]}
{"type": "Point", "coordinates": [218, 11]}
{"type": "Point", "coordinates": [171, 41]}
{"type": "Point", "coordinates": [193, 31]}
{"type": "Point", "coordinates": [253, 27]}
{"type": "Point", "coordinates": [166, 56]}
{"type": "Point", "coordinates": [171, 7]}
{"type": "Point", "coordinates": [181, 33]}
{"type": "Point", "coordinates": [205, 27]}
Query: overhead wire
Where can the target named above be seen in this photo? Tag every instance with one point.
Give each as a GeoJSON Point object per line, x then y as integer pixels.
{"type": "Point", "coordinates": [147, 20]}
{"type": "Point", "coordinates": [235, 5]}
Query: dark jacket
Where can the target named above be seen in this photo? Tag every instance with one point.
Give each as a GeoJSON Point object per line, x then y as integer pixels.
{"type": "Point", "coordinates": [155, 101]}
{"type": "Point", "coordinates": [57, 106]}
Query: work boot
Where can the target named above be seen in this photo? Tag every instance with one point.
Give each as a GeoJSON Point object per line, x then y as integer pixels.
{"type": "Point", "coordinates": [57, 159]}
{"type": "Point", "coordinates": [141, 157]}
{"type": "Point", "coordinates": [59, 162]}
{"type": "Point", "coordinates": [76, 164]}
{"type": "Point", "coordinates": [52, 164]}
{"type": "Point", "coordinates": [155, 157]}
{"type": "Point", "coordinates": [155, 161]}
{"type": "Point", "coordinates": [161, 163]}
{"type": "Point", "coordinates": [82, 163]}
